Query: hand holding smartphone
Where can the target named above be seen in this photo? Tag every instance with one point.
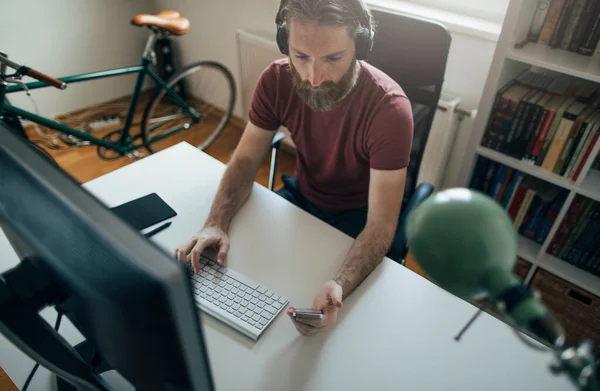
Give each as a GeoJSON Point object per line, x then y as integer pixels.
{"type": "Point", "coordinates": [307, 313]}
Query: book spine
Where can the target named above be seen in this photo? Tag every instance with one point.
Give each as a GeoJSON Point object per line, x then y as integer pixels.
{"type": "Point", "coordinates": [574, 233]}
{"type": "Point", "coordinates": [586, 155]}
{"type": "Point", "coordinates": [552, 17]}
{"type": "Point", "coordinates": [577, 154]}
{"type": "Point", "coordinates": [581, 26]}
{"type": "Point", "coordinates": [537, 149]}
{"type": "Point", "coordinates": [515, 204]}
{"type": "Point", "coordinates": [572, 23]}
{"type": "Point", "coordinates": [537, 23]}
{"type": "Point", "coordinates": [566, 224]}
{"type": "Point", "coordinates": [533, 138]}
{"type": "Point", "coordinates": [569, 150]}
{"type": "Point", "coordinates": [591, 34]}
{"type": "Point", "coordinates": [559, 31]}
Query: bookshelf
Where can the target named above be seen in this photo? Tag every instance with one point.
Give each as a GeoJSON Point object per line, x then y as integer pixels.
{"type": "Point", "coordinates": [513, 56]}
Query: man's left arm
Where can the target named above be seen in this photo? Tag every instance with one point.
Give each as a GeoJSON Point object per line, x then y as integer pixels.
{"type": "Point", "coordinates": [386, 189]}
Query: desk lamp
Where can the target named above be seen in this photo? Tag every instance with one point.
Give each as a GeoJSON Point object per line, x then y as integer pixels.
{"type": "Point", "coordinates": [467, 244]}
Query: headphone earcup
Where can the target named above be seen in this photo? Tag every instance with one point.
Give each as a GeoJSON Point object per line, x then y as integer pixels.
{"type": "Point", "coordinates": [364, 43]}
{"type": "Point", "coordinates": [282, 39]}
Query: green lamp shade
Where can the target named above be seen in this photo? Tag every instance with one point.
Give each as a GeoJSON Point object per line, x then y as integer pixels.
{"type": "Point", "coordinates": [462, 238]}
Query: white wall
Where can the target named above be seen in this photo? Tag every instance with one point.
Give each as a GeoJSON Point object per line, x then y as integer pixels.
{"type": "Point", "coordinates": [66, 37]}
{"type": "Point", "coordinates": [214, 24]}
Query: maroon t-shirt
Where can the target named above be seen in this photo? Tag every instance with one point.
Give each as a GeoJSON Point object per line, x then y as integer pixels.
{"type": "Point", "coordinates": [372, 127]}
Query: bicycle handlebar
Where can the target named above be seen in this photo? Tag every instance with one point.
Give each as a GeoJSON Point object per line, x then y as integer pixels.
{"type": "Point", "coordinates": [43, 77]}
{"type": "Point", "coordinates": [25, 70]}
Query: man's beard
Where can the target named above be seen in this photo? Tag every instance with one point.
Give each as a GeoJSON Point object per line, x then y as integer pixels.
{"type": "Point", "coordinates": [325, 96]}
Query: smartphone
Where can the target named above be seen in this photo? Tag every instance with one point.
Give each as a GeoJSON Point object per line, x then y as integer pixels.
{"type": "Point", "coordinates": [307, 313]}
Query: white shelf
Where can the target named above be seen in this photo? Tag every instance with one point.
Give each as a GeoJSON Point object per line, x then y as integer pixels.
{"type": "Point", "coordinates": [526, 168]}
{"type": "Point", "coordinates": [586, 281]}
{"type": "Point", "coordinates": [590, 187]}
{"type": "Point", "coordinates": [558, 60]}
{"type": "Point", "coordinates": [528, 249]}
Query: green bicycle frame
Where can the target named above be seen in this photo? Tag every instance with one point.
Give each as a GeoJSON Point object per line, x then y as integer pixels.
{"type": "Point", "coordinates": [124, 144]}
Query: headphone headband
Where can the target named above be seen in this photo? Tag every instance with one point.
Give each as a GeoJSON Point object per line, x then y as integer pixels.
{"type": "Point", "coordinates": [361, 13]}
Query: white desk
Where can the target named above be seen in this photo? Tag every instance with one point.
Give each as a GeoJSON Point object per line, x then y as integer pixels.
{"type": "Point", "coordinates": [395, 332]}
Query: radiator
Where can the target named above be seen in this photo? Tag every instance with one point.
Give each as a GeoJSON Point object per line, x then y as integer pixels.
{"type": "Point", "coordinates": [256, 50]}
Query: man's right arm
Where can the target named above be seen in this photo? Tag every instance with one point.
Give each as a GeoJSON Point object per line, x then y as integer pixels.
{"type": "Point", "coordinates": [234, 190]}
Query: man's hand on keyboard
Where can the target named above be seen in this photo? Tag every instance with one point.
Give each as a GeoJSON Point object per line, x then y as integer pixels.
{"type": "Point", "coordinates": [191, 250]}
{"type": "Point", "coordinates": [329, 300]}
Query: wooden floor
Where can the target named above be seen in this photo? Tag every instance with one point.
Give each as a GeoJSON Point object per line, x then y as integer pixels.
{"type": "Point", "coordinates": [83, 164]}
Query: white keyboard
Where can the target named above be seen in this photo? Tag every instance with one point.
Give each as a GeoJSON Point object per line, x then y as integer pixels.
{"type": "Point", "coordinates": [235, 299]}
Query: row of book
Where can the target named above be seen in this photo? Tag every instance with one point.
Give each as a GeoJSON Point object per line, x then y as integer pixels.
{"type": "Point", "coordinates": [532, 204]}
{"type": "Point", "coordinates": [577, 238]}
{"type": "Point", "coordinates": [548, 120]}
{"type": "Point", "coordinates": [572, 25]}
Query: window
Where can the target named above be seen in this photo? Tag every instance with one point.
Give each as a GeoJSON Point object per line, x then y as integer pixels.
{"type": "Point", "coordinates": [491, 10]}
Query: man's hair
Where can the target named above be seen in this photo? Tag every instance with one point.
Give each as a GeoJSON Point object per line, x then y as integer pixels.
{"type": "Point", "coordinates": [329, 13]}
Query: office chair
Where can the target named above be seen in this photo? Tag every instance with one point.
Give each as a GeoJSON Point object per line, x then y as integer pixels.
{"type": "Point", "coordinates": [413, 51]}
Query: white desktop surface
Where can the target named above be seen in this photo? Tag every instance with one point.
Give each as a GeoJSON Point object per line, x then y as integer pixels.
{"type": "Point", "coordinates": [395, 331]}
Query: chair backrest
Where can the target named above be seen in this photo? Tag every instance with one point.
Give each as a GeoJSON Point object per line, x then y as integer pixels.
{"type": "Point", "coordinates": [413, 51]}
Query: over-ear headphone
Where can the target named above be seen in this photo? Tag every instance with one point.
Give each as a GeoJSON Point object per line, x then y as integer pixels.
{"type": "Point", "coordinates": [364, 35]}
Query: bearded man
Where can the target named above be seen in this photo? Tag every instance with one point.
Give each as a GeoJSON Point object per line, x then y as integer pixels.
{"type": "Point", "coordinates": [352, 127]}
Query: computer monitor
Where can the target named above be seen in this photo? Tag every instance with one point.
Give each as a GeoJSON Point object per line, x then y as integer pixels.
{"type": "Point", "coordinates": [131, 301]}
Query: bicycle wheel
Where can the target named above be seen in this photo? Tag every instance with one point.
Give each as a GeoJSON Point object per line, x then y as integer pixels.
{"type": "Point", "coordinates": [209, 89]}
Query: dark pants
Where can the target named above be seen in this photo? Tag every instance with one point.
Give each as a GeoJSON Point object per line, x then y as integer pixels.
{"type": "Point", "coordinates": [351, 221]}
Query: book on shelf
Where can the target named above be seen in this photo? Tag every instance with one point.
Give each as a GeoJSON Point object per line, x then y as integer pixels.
{"type": "Point", "coordinates": [547, 120]}
{"type": "Point", "coordinates": [572, 25]}
{"type": "Point", "coordinates": [576, 239]}
{"type": "Point", "coordinates": [532, 204]}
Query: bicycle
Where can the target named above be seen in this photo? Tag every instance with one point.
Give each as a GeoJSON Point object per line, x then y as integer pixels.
{"type": "Point", "coordinates": [176, 105]}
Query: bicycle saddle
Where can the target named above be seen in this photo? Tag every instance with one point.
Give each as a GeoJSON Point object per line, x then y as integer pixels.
{"type": "Point", "coordinates": [169, 21]}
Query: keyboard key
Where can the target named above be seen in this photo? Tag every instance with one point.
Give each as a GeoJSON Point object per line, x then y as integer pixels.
{"type": "Point", "coordinates": [275, 296]}
{"type": "Point", "coordinates": [227, 287]}
{"type": "Point", "coordinates": [248, 297]}
{"type": "Point", "coordinates": [236, 284]}
{"type": "Point", "coordinates": [269, 301]}
{"type": "Point", "coordinates": [231, 296]}
{"type": "Point", "coordinates": [223, 305]}
{"type": "Point", "coordinates": [263, 321]}
{"type": "Point", "coordinates": [212, 271]}
{"type": "Point", "coordinates": [281, 300]}
{"type": "Point", "coordinates": [237, 299]}
{"type": "Point", "coordinates": [262, 289]}
{"type": "Point", "coordinates": [237, 314]}
{"type": "Point", "coordinates": [260, 304]}
{"type": "Point", "coordinates": [218, 289]}
{"type": "Point", "coordinates": [217, 296]}
{"type": "Point", "coordinates": [254, 301]}
{"type": "Point", "coordinates": [256, 317]}
{"type": "Point", "coordinates": [235, 291]}
{"type": "Point", "coordinates": [229, 303]}
{"type": "Point", "coordinates": [210, 299]}
{"type": "Point", "coordinates": [271, 309]}
{"type": "Point", "coordinates": [230, 310]}
{"type": "Point", "coordinates": [223, 299]}
{"type": "Point", "coordinates": [236, 307]}
{"type": "Point", "coordinates": [251, 307]}
{"type": "Point", "coordinates": [255, 294]}
{"type": "Point", "coordinates": [251, 322]}
{"type": "Point", "coordinates": [244, 303]}
{"type": "Point", "coordinates": [211, 286]}
{"type": "Point", "coordinates": [243, 310]}
{"type": "Point", "coordinates": [269, 293]}
{"type": "Point", "coordinates": [219, 274]}
{"type": "Point", "coordinates": [245, 318]}
{"type": "Point", "coordinates": [262, 298]}
{"type": "Point", "coordinates": [266, 314]}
